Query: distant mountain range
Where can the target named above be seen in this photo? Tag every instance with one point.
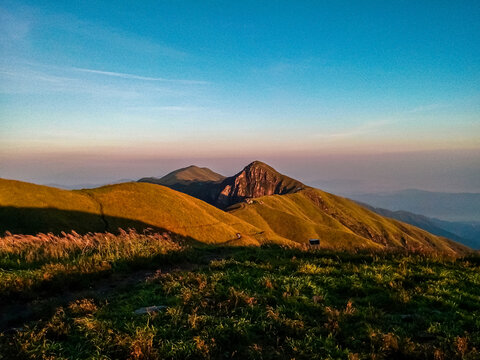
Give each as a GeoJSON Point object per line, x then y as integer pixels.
{"type": "Point", "coordinates": [464, 207]}
{"type": "Point", "coordinates": [257, 205]}
{"type": "Point", "coordinates": [86, 185]}
{"type": "Point", "coordinates": [467, 233]}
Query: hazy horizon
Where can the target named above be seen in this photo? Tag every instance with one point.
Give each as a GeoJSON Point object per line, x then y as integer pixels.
{"type": "Point", "coordinates": [349, 96]}
{"type": "Point", "coordinates": [340, 173]}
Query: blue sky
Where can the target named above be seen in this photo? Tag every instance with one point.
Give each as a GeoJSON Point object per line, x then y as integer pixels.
{"type": "Point", "coordinates": [193, 80]}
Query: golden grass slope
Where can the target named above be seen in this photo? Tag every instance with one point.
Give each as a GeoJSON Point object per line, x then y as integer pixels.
{"type": "Point", "coordinates": [285, 219]}
{"type": "Point", "coordinates": [191, 173]}
{"type": "Point", "coordinates": [25, 208]}
{"type": "Point", "coordinates": [23, 194]}
{"type": "Point", "coordinates": [338, 222]}
{"type": "Point", "coordinates": [185, 176]}
{"type": "Point", "coordinates": [177, 212]}
{"type": "Point", "coordinates": [29, 208]}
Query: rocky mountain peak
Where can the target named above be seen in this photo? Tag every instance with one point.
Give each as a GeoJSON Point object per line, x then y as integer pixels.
{"type": "Point", "coordinates": [255, 180]}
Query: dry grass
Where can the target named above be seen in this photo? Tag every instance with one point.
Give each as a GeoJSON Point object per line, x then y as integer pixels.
{"type": "Point", "coordinates": [29, 263]}
{"type": "Point", "coordinates": [29, 249]}
{"type": "Point", "coordinates": [29, 209]}
{"type": "Point", "coordinates": [287, 219]}
{"type": "Point", "coordinates": [339, 223]}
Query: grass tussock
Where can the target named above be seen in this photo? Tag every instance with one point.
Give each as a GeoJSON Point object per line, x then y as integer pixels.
{"type": "Point", "coordinates": [30, 263]}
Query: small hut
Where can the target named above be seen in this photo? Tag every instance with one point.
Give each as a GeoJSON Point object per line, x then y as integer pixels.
{"type": "Point", "coordinates": [314, 242]}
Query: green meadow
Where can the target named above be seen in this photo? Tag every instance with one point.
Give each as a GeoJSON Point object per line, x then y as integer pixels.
{"type": "Point", "coordinates": [75, 297]}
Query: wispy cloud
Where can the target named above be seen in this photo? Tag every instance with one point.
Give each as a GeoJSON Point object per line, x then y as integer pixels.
{"type": "Point", "coordinates": [37, 83]}
{"type": "Point", "coordinates": [110, 36]}
{"type": "Point", "coordinates": [285, 66]}
{"type": "Point", "coordinates": [18, 22]}
{"type": "Point", "coordinates": [365, 128]}
{"type": "Point", "coordinates": [138, 77]}
{"type": "Point", "coordinates": [426, 108]}
{"type": "Point", "coordinates": [21, 79]}
{"type": "Point", "coordinates": [29, 77]}
{"type": "Point", "coordinates": [169, 108]}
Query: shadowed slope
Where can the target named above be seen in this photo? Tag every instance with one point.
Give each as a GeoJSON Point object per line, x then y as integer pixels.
{"type": "Point", "coordinates": [124, 205]}
{"type": "Point", "coordinates": [178, 212]}
{"type": "Point", "coordinates": [291, 218]}
{"type": "Point", "coordinates": [201, 183]}
{"type": "Point", "coordinates": [256, 179]}
{"type": "Point", "coordinates": [34, 220]}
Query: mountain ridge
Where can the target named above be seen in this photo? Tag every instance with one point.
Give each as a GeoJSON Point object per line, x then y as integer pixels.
{"type": "Point", "coordinates": [312, 213]}
{"type": "Point", "coordinates": [261, 206]}
{"type": "Point", "coordinates": [186, 174]}
{"type": "Point", "coordinates": [199, 182]}
{"type": "Point", "coordinates": [447, 229]}
{"type": "Point", "coordinates": [254, 180]}
{"type": "Point", "coordinates": [463, 206]}
{"type": "Point", "coordinates": [29, 208]}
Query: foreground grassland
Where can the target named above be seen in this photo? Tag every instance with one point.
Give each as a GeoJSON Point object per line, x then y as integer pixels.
{"type": "Point", "coordinates": [244, 303]}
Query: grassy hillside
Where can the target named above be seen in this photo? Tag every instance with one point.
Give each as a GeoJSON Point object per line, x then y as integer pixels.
{"type": "Point", "coordinates": [337, 222]}
{"type": "Point", "coordinates": [174, 211]}
{"type": "Point", "coordinates": [284, 219]}
{"type": "Point", "coordinates": [284, 208]}
{"type": "Point", "coordinates": [423, 222]}
{"type": "Point", "coordinates": [201, 183]}
{"type": "Point", "coordinates": [189, 174]}
{"type": "Point", "coordinates": [81, 298]}
{"type": "Point", "coordinates": [29, 208]}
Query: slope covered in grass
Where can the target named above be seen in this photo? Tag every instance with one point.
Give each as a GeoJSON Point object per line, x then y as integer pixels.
{"type": "Point", "coordinates": [337, 222]}
{"type": "Point", "coordinates": [254, 180]}
{"type": "Point", "coordinates": [29, 208]}
{"type": "Point", "coordinates": [289, 219]}
{"type": "Point", "coordinates": [255, 303]}
{"type": "Point", "coordinates": [186, 175]}
{"type": "Point", "coordinates": [198, 182]}
{"type": "Point", "coordinates": [173, 211]}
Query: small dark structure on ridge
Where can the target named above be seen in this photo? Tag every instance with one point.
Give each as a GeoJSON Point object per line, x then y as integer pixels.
{"type": "Point", "coordinates": [314, 242]}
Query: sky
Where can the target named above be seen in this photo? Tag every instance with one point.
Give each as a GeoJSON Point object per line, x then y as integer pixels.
{"type": "Point", "coordinates": [354, 95]}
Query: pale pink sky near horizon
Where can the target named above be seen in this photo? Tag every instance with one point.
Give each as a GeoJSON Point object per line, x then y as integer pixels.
{"type": "Point", "coordinates": [349, 97]}
{"type": "Point", "coordinates": [341, 172]}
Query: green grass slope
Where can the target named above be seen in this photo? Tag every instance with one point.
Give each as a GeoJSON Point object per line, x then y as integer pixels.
{"type": "Point", "coordinates": [29, 208]}
{"type": "Point", "coordinates": [337, 222]}
{"type": "Point", "coordinates": [246, 303]}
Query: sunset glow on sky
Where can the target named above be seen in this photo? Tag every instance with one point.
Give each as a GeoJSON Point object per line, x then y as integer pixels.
{"type": "Point", "coordinates": [99, 91]}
